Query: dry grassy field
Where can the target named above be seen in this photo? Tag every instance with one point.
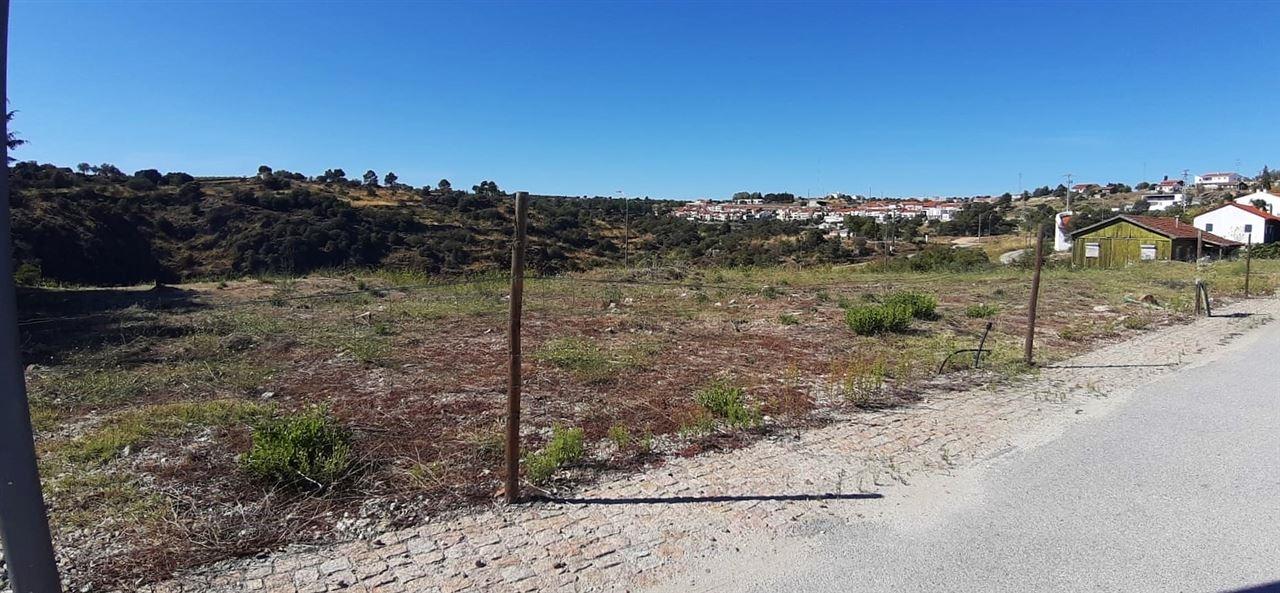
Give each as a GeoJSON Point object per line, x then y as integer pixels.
{"type": "Point", "coordinates": [146, 401]}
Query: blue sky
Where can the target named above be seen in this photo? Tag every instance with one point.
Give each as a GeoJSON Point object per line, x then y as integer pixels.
{"type": "Point", "coordinates": [666, 99]}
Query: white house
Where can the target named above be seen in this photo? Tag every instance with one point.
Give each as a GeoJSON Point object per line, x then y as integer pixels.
{"type": "Point", "coordinates": [1218, 180]}
{"type": "Point", "coordinates": [1240, 222]}
{"type": "Point", "coordinates": [1272, 200]}
{"type": "Point", "coordinates": [1158, 202]}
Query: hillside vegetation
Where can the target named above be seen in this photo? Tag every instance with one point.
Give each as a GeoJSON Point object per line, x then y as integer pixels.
{"type": "Point", "coordinates": [107, 228]}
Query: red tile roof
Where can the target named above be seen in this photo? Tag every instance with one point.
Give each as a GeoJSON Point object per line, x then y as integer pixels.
{"type": "Point", "coordinates": [1247, 208]}
{"type": "Point", "coordinates": [1175, 229]}
{"type": "Point", "coordinates": [1168, 226]}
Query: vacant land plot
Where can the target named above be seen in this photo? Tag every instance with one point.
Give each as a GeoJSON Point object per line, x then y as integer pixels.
{"type": "Point", "coordinates": [169, 420]}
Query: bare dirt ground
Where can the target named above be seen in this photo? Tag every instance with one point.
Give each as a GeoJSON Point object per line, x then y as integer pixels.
{"type": "Point", "coordinates": [145, 400]}
{"type": "Point", "coordinates": [658, 526]}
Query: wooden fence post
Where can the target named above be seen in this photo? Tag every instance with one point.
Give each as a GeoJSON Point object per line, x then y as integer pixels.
{"type": "Point", "coordinates": [1035, 298]}
{"type": "Point", "coordinates": [511, 491]}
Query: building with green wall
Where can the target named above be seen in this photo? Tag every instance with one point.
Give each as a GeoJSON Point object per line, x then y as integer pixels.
{"type": "Point", "coordinates": [1127, 239]}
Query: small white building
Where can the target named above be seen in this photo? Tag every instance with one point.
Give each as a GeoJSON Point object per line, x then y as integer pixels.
{"type": "Point", "coordinates": [1240, 222]}
{"type": "Point", "coordinates": [1272, 200]}
{"type": "Point", "coordinates": [1159, 202]}
{"type": "Point", "coordinates": [1061, 232]}
{"type": "Point", "coordinates": [1219, 180]}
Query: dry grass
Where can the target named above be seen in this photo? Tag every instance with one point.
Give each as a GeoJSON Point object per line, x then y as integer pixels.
{"type": "Point", "coordinates": [142, 410]}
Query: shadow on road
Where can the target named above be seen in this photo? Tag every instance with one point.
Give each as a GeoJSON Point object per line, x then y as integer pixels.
{"type": "Point", "coordinates": [709, 499]}
{"type": "Point", "coordinates": [1109, 366]}
{"type": "Point", "coordinates": [1271, 587]}
{"type": "Point", "coordinates": [1232, 316]}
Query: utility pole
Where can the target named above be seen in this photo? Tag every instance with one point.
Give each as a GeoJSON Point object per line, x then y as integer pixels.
{"type": "Point", "coordinates": [1068, 176]}
{"type": "Point", "coordinates": [24, 528]}
{"type": "Point", "coordinates": [511, 490]}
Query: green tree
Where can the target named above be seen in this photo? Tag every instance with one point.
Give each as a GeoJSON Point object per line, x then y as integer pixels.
{"type": "Point", "coordinates": [12, 141]}
{"type": "Point", "coordinates": [151, 175]}
{"type": "Point", "coordinates": [391, 179]}
{"type": "Point", "coordinates": [84, 168]}
{"type": "Point", "coordinates": [445, 186]}
{"type": "Point", "coordinates": [333, 176]}
{"type": "Point", "coordinates": [110, 171]}
{"type": "Point", "coordinates": [371, 178]}
{"type": "Point", "coordinates": [1265, 178]}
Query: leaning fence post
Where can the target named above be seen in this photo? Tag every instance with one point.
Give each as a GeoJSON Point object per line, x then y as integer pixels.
{"type": "Point", "coordinates": [1035, 298]}
{"type": "Point", "coordinates": [512, 486]}
{"type": "Point", "coordinates": [24, 527]}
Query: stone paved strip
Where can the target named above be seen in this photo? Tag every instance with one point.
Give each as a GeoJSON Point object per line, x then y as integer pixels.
{"type": "Point", "coordinates": [622, 535]}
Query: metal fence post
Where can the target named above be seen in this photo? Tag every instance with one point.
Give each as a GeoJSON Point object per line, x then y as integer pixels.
{"type": "Point", "coordinates": [1035, 298]}
{"type": "Point", "coordinates": [1248, 260]}
{"type": "Point", "coordinates": [24, 528]}
{"type": "Point", "coordinates": [511, 491]}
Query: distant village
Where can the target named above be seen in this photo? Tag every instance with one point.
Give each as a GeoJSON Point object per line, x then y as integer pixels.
{"type": "Point", "coordinates": [1220, 212]}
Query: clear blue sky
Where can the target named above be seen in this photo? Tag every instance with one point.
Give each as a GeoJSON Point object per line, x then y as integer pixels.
{"type": "Point", "coordinates": [667, 99]}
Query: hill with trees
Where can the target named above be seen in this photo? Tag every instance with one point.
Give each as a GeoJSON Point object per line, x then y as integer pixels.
{"type": "Point", "coordinates": [95, 224]}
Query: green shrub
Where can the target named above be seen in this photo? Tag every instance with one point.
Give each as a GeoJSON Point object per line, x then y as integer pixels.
{"type": "Point", "coordinates": [788, 319]}
{"type": "Point", "coordinates": [307, 450]}
{"type": "Point", "coordinates": [919, 304]}
{"type": "Point", "coordinates": [27, 274]}
{"type": "Point", "coordinates": [566, 446]}
{"type": "Point", "coordinates": [620, 436]}
{"type": "Point", "coordinates": [937, 258]}
{"type": "Point", "coordinates": [864, 382]}
{"type": "Point", "coordinates": [869, 320]}
{"type": "Point", "coordinates": [728, 403]}
{"type": "Point", "coordinates": [1136, 322]}
{"type": "Point", "coordinates": [368, 349]}
{"type": "Point", "coordinates": [981, 310]}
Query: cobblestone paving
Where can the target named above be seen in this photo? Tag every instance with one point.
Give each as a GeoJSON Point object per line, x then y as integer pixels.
{"type": "Point", "coordinates": [639, 529]}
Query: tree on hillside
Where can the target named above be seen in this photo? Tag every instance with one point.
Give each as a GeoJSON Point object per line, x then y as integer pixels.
{"type": "Point", "coordinates": [140, 183]}
{"type": "Point", "coordinates": [151, 175]}
{"type": "Point", "coordinates": [1033, 218]}
{"type": "Point", "coordinates": [176, 179]}
{"type": "Point", "coordinates": [391, 179]}
{"type": "Point", "coordinates": [445, 186]}
{"type": "Point", "coordinates": [110, 171]}
{"type": "Point", "coordinates": [487, 189]}
{"type": "Point", "coordinates": [1265, 178]}
{"type": "Point", "coordinates": [371, 178]}
{"type": "Point", "coordinates": [84, 168]}
{"type": "Point", "coordinates": [333, 176]}
{"type": "Point", "coordinates": [264, 171]}
{"type": "Point", "coordinates": [1142, 186]}
{"type": "Point", "coordinates": [13, 141]}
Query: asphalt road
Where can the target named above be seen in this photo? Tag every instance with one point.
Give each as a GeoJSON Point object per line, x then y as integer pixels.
{"type": "Point", "coordinates": [1176, 489]}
